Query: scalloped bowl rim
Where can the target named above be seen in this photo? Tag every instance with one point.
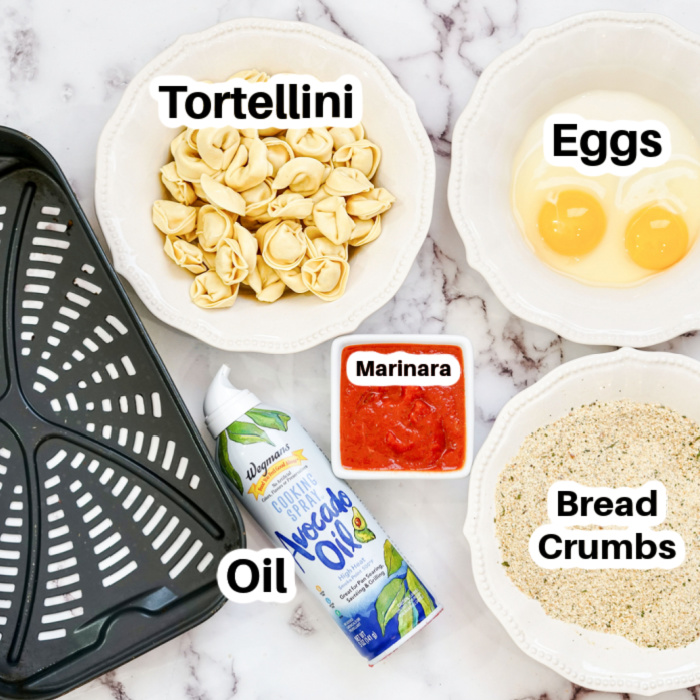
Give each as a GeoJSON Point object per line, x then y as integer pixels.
{"type": "Point", "coordinates": [479, 531]}
{"type": "Point", "coordinates": [329, 327]}
{"type": "Point", "coordinates": [476, 257]}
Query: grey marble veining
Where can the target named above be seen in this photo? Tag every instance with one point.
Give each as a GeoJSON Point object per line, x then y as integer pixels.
{"type": "Point", "coordinates": [63, 67]}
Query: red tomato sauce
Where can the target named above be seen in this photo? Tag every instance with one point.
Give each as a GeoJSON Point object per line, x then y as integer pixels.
{"type": "Point", "coordinates": [412, 428]}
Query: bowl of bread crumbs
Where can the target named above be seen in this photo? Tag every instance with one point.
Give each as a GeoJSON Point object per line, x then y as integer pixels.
{"type": "Point", "coordinates": [619, 419]}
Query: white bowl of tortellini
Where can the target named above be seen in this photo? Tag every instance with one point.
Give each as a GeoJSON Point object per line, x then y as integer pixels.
{"type": "Point", "coordinates": [211, 227]}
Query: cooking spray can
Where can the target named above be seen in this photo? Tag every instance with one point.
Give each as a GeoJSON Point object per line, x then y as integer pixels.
{"type": "Point", "coordinates": [342, 554]}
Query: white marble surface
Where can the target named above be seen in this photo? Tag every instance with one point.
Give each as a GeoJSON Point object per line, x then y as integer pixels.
{"type": "Point", "coordinates": [63, 67]}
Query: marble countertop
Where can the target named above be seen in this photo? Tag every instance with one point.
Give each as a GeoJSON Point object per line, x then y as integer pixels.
{"type": "Point", "coordinates": [64, 65]}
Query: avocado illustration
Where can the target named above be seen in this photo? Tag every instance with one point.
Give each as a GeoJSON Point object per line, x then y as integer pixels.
{"type": "Point", "coordinates": [358, 522]}
{"type": "Point", "coordinates": [362, 532]}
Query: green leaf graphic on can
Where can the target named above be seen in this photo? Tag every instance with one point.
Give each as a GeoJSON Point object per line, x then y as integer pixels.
{"type": "Point", "coordinates": [392, 558]}
{"type": "Point", "coordinates": [418, 590]}
{"type": "Point", "coordinates": [408, 616]}
{"type": "Point", "coordinates": [389, 602]}
{"type": "Point", "coordinates": [267, 418]}
{"type": "Point", "coordinates": [247, 433]}
{"type": "Point", "coordinates": [226, 465]}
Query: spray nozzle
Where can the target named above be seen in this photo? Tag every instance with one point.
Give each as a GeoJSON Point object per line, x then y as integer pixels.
{"type": "Point", "coordinates": [224, 404]}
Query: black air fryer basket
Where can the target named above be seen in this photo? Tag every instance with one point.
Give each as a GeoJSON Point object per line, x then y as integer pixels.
{"type": "Point", "coordinates": [112, 520]}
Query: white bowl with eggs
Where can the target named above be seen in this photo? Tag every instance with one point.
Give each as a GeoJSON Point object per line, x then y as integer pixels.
{"type": "Point", "coordinates": [643, 54]}
{"type": "Point", "coordinates": [134, 145]}
{"type": "Point", "coordinates": [591, 659]}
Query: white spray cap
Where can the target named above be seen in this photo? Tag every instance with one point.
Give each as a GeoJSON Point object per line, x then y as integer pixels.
{"type": "Point", "coordinates": [224, 404]}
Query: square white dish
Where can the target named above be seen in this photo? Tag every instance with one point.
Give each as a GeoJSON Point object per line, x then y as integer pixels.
{"type": "Point", "coordinates": [590, 659]}
{"type": "Point", "coordinates": [412, 339]}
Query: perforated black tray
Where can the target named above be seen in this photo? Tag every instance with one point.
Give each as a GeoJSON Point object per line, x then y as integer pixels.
{"type": "Point", "coordinates": [112, 520]}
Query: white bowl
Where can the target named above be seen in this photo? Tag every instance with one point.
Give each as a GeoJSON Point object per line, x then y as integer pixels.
{"type": "Point", "coordinates": [591, 659]}
{"type": "Point", "coordinates": [134, 145]}
{"type": "Point", "coordinates": [641, 53]}
{"type": "Point", "coordinates": [409, 339]}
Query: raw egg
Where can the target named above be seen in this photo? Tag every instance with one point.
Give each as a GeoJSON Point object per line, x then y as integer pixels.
{"type": "Point", "coordinates": [609, 229]}
{"type": "Point", "coordinates": [656, 238]}
{"type": "Point", "coordinates": [571, 222]}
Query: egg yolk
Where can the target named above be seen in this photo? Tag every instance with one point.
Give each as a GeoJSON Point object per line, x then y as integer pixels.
{"type": "Point", "coordinates": [572, 222]}
{"type": "Point", "coordinates": [656, 238]}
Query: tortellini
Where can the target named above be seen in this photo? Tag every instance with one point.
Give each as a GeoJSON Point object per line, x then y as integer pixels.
{"type": "Point", "coordinates": [190, 166]}
{"type": "Point", "coordinates": [221, 196]}
{"type": "Point", "coordinates": [333, 220]}
{"type": "Point", "coordinates": [249, 166]}
{"type": "Point", "coordinates": [186, 255]}
{"type": "Point", "coordinates": [279, 152]}
{"type": "Point", "coordinates": [343, 182]}
{"type": "Point", "coordinates": [362, 155]}
{"type": "Point", "coordinates": [290, 206]}
{"type": "Point", "coordinates": [252, 75]}
{"type": "Point", "coordinates": [367, 205]}
{"type": "Point", "coordinates": [301, 175]}
{"type": "Point", "coordinates": [284, 245]}
{"type": "Point", "coordinates": [265, 282]}
{"type": "Point", "coordinates": [292, 278]}
{"type": "Point", "coordinates": [213, 225]}
{"type": "Point", "coordinates": [326, 277]}
{"type": "Point", "coordinates": [319, 246]}
{"type": "Point", "coordinates": [181, 190]}
{"type": "Point", "coordinates": [342, 136]}
{"type": "Point", "coordinates": [173, 218]}
{"type": "Point", "coordinates": [257, 199]}
{"type": "Point", "coordinates": [315, 143]}
{"type": "Point", "coordinates": [229, 262]}
{"type": "Point", "coordinates": [210, 292]}
{"type": "Point", "coordinates": [365, 231]}
{"type": "Point", "coordinates": [218, 146]}
{"type": "Point", "coordinates": [258, 212]}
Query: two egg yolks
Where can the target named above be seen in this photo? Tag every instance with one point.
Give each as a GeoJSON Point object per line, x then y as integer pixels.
{"type": "Point", "coordinates": [573, 223]}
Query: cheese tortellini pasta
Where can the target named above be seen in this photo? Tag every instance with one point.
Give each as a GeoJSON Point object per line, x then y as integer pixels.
{"type": "Point", "coordinates": [265, 211]}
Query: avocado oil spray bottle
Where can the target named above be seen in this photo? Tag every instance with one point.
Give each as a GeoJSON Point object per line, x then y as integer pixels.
{"type": "Point", "coordinates": [342, 554]}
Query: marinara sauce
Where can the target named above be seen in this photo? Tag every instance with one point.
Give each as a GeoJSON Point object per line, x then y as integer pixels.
{"type": "Point", "coordinates": [412, 428]}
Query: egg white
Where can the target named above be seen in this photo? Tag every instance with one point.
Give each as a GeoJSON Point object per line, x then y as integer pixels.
{"type": "Point", "coordinates": [676, 183]}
